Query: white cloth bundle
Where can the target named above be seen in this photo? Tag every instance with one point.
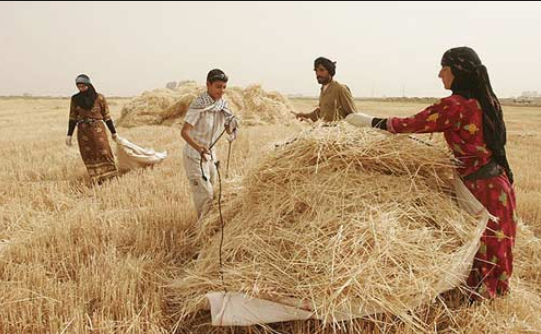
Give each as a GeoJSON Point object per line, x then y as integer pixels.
{"type": "Point", "coordinates": [131, 156]}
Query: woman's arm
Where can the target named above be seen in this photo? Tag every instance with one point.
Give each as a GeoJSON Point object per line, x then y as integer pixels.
{"type": "Point", "coordinates": [440, 117]}
{"type": "Point", "coordinates": [72, 118]}
{"type": "Point", "coordinates": [107, 115]}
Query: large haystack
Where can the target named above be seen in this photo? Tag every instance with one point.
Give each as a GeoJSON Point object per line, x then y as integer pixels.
{"type": "Point", "coordinates": [339, 221]}
{"type": "Point", "coordinates": [252, 105]}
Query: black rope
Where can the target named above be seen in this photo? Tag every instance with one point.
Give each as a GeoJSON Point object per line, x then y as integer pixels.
{"type": "Point", "coordinates": [222, 225]}
{"type": "Point", "coordinates": [210, 149]}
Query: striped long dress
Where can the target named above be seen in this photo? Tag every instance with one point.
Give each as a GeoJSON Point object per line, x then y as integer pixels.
{"type": "Point", "coordinates": [92, 138]}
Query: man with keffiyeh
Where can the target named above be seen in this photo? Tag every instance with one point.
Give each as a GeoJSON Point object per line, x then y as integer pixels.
{"type": "Point", "coordinates": [206, 120]}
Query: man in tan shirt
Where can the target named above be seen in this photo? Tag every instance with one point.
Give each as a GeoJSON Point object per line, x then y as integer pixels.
{"type": "Point", "coordinates": [335, 99]}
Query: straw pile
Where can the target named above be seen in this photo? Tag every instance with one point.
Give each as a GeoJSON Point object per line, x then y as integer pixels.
{"type": "Point", "coordinates": [159, 106]}
{"type": "Point", "coordinates": [256, 106]}
{"type": "Point", "coordinates": [342, 219]}
{"type": "Point", "coordinates": [252, 105]}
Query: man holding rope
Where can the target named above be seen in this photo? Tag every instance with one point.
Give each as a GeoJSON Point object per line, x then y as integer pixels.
{"type": "Point", "coordinates": [207, 119]}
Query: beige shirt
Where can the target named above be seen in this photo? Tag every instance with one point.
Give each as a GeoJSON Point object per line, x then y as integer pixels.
{"type": "Point", "coordinates": [335, 102]}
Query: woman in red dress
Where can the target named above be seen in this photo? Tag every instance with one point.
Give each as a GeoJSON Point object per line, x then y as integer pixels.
{"type": "Point", "coordinates": [471, 120]}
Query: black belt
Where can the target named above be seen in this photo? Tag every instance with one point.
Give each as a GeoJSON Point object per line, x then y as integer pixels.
{"type": "Point", "coordinates": [88, 120]}
{"type": "Point", "coordinates": [489, 170]}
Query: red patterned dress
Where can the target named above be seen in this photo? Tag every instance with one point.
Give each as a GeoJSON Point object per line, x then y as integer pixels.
{"type": "Point", "coordinates": [461, 122]}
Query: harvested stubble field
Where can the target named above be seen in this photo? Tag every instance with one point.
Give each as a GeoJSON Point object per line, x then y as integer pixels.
{"type": "Point", "coordinates": [108, 259]}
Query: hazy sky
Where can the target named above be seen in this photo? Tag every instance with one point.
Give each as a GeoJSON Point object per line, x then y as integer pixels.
{"type": "Point", "coordinates": [382, 49]}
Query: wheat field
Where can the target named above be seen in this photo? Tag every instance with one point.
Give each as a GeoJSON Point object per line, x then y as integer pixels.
{"type": "Point", "coordinates": [82, 259]}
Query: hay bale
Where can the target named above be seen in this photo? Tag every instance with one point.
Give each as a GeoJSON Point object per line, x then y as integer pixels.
{"type": "Point", "coordinates": [256, 106]}
{"type": "Point", "coordinates": [339, 219]}
{"type": "Point", "coordinates": [158, 106]}
{"type": "Point", "coordinates": [146, 109]}
{"type": "Point", "coordinates": [252, 105]}
{"type": "Point", "coordinates": [178, 109]}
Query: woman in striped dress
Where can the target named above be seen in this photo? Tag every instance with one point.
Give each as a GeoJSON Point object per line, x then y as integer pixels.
{"type": "Point", "coordinates": [89, 112]}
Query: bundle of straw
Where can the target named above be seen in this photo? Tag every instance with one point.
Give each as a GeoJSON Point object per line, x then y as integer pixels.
{"type": "Point", "coordinates": [342, 220]}
{"type": "Point", "coordinates": [252, 105]}
{"type": "Point", "coordinates": [261, 107]}
{"type": "Point", "coordinates": [158, 106]}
